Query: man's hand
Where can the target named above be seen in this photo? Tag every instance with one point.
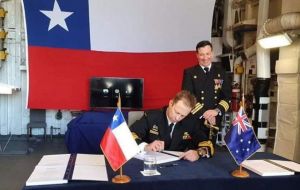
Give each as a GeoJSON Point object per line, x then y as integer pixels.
{"type": "Point", "coordinates": [203, 152]}
{"type": "Point", "coordinates": [190, 155]}
{"type": "Point", "coordinates": [212, 121]}
{"type": "Point", "coordinates": [155, 146]}
{"type": "Point", "coordinates": [210, 116]}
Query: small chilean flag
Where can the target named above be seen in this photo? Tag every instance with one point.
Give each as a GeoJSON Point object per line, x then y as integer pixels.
{"type": "Point", "coordinates": [117, 143]}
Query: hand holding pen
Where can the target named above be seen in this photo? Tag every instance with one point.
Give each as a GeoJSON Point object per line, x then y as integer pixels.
{"type": "Point", "coordinates": [190, 155]}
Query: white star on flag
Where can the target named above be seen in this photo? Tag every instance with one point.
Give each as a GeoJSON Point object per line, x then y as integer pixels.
{"type": "Point", "coordinates": [57, 17]}
{"type": "Point", "coordinates": [115, 118]}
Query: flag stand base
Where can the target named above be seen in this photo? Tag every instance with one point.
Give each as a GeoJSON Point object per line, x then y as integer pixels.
{"type": "Point", "coordinates": [121, 179]}
{"type": "Point", "coordinates": [240, 173]}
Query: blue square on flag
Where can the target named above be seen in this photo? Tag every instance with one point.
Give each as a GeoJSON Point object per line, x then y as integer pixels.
{"type": "Point", "coordinates": [240, 139]}
{"type": "Point", "coordinates": [57, 23]}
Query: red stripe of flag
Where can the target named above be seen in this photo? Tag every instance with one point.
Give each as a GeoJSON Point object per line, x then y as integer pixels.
{"type": "Point", "coordinates": [59, 78]}
{"type": "Point", "coordinates": [112, 151]}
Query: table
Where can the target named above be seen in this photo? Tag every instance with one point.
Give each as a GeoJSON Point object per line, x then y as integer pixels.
{"type": "Point", "coordinates": [204, 174]}
{"type": "Point", "coordinates": [85, 132]}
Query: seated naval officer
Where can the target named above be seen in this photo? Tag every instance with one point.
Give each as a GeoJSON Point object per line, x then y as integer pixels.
{"type": "Point", "coordinates": [170, 128]}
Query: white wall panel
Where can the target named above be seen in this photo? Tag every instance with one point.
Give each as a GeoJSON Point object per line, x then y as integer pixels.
{"type": "Point", "coordinates": [14, 115]}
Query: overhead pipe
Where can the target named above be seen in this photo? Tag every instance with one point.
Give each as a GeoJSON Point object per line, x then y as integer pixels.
{"type": "Point", "coordinates": [227, 38]}
{"type": "Point", "coordinates": [282, 23]}
{"type": "Point", "coordinates": [250, 51]}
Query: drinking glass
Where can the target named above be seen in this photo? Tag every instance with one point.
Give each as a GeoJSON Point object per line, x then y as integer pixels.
{"type": "Point", "coordinates": [150, 166]}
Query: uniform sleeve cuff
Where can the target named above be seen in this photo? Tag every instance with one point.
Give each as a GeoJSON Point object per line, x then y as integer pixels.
{"type": "Point", "coordinates": [218, 111]}
{"type": "Point", "coordinates": [142, 146]}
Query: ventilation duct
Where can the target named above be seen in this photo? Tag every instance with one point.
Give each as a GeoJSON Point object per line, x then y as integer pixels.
{"type": "Point", "coordinates": [282, 23]}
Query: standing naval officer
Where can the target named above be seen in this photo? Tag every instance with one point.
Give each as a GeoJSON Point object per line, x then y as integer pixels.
{"type": "Point", "coordinates": [212, 88]}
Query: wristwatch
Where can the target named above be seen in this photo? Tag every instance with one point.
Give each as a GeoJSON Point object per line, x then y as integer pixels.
{"type": "Point", "coordinates": [203, 152]}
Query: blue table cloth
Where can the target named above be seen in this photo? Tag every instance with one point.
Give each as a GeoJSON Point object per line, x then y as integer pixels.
{"type": "Point", "coordinates": [204, 174]}
{"type": "Point", "coordinates": [85, 132]}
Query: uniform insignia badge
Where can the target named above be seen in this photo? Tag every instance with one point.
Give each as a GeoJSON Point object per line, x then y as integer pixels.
{"type": "Point", "coordinates": [155, 127]}
{"type": "Point", "coordinates": [154, 130]}
{"type": "Point", "coordinates": [186, 136]}
{"type": "Point", "coordinates": [218, 83]}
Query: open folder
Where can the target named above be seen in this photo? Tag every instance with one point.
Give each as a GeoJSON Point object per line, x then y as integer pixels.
{"type": "Point", "coordinates": [60, 168]}
{"type": "Point", "coordinates": [272, 167]}
{"type": "Point", "coordinates": [161, 157]}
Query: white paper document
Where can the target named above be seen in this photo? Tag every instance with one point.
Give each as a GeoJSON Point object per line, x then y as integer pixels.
{"type": "Point", "coordinates": [47, 175]}
{"type": "Point", "coordinates": [54, 160]}
{"type": "Point", "coordinates": [90, 167]}
{"type": "Point", "coordinates": [92, 173]}
{"type": "Point", "coordinates": [59, 168]}
{"type": "Point", "coordinates": [90, 159]}
{"type": "Point", "coordinates": [161, 157]}
{"type": "Point", "coordinates": [287, 164]}
{"type": "Point", "coordinates": [265, 168]}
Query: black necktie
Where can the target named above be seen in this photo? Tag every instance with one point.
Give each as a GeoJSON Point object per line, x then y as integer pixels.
{"type": "Point", "coordinates": [171, 128]}
{"type": "Point", "coordinates": [206, 69]}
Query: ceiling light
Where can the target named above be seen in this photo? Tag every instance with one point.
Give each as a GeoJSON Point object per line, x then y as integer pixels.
{"type": "Point", "coordinates": [274, 41]}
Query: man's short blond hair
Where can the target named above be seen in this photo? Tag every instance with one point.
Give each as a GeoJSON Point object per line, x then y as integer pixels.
{"type": "Point", "coordinates": [187, 98]}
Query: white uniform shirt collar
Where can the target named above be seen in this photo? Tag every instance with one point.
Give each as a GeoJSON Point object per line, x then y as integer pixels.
{"type": "Point", "coordinates": [204, 67]}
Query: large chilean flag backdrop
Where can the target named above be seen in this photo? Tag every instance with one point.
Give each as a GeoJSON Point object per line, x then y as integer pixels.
{"type": "Point", "coordinates": [70, 41]}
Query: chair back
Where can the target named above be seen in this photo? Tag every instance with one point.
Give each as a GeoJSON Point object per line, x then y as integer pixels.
{"type": "Point", "coordinates": [133, 116]}
{"type": "Point", "coordinates": [37, 116]}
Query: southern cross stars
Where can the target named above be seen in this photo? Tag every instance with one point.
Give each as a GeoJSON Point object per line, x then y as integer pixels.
{"type": "Point", "coordinates": [57, 17]}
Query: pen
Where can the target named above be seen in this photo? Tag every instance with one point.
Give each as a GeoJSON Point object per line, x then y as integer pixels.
{"type": "Point", "coordinates": [167, 165]}
{"type": "Point", "coordinates": [169, 153]}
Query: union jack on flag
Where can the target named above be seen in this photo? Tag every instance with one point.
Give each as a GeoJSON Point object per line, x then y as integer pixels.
{"type": "Point", "coordinates": [240, 139]}
{"type": "Point", "coordinates": [241, 121]}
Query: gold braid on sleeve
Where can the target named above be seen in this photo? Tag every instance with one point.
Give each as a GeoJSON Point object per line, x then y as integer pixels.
{"type": "Point", "coordinates": [224, 104]}
{"type": "Point", "coordinates": [197, 107]}
{"type": "Point", "coordinates": [135, 136]}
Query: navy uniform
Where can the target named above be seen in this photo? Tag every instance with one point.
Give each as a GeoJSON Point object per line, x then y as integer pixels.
{"type": "Point", "coordinates": [212, 90]}
{"type": "Point", "coordinates": [185, 136]}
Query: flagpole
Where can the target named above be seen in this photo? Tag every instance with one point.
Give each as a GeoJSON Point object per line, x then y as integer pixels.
{"type": "Point", "coordinates": [120, 178]}
{"type": "Point", "coordinates": [243, 100]}
{"type": "Point", "coordinates": [240, 172]}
